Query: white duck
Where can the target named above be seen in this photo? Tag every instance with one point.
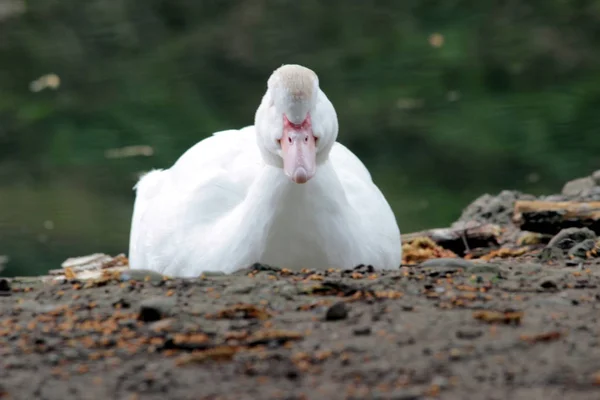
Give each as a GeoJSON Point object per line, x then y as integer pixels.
{"type": "Point", "coordinates": [282, 192]}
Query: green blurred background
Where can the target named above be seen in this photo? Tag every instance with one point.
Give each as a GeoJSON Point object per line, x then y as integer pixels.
{"type": "Point", "coordinates": [442, 100]}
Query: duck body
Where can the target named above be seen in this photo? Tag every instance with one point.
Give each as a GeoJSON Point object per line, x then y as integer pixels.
{"type": "Point", "coordinates": [225, 204]}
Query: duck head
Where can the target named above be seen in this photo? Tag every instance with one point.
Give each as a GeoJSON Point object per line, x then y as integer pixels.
{"type": "Point", "coordinates": [296, 124]}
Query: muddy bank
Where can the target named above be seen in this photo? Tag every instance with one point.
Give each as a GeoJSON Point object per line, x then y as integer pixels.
{"type": "Point", "coordinates": [511, 318]}
{"type": "Point", "coordinates": [449, 329]}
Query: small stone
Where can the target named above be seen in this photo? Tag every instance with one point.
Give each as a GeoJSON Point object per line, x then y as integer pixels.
{"type": "Point", "coordinates": [163, 324]}
{"type": "Point", "coordinates": [440, 381]}
{"type": "Point", "coordinates": [239, 288]}
{"type": "Point", "coordinates": [405, 394]}
{"type": "Point", "coordinates": [550, 254]}
{"type": "Point", "coordinates": [362, 331]}
{"type": "Point", "coordinates": [70, 353]}
{"type": "Point", "coordinates": [548, 283]}
{"type": "Point", "coordinates": [288, 291]}
{"type": "Point", "coordinates": [577, 186]}
{"type": "Point", "coordinates": [596, 177]}
{"type": "Point", "coordinates": [573, 263]}
{"type": "Point", "coordinates": [5, 289]}
{"type": "Point", "coordinates": [156, 308]}
{"type": "Point", "coordinates": [468, 334]}
{"type": "Point", "coordinates": [4, 285]}
{"type": "Point", "coordinates": [127, 323]}
{"type": "Point", "coordinates": [509, 286]}
{"type": "Point", "coordinates": [580, 250]}
{"type": "Point", "coordinates": [264, 268]}
{"type": "Point", "coordinates": [53, 358]}
{"type": "Point", "coordinates": [121, 303]}
{"type": "Point", "coordinates": [483, 268]}
{"type": "Point", "coordinates": [141, 275]}
{"type": "Point", "coordinates": [337, 312]}
{"type": "Point", "coordinates": [569, 237]}
{"type": "Point", "coordinates": [446, 263]}
{"type": "Point", "coordinates": [553, 301]}
{"type": "Point", "coordinates": [455, 354]}
{"type": "Point", "coordinates": [35, 307]}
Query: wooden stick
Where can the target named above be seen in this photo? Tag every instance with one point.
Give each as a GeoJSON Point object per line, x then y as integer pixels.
{"type": "Point", "coordinates": [460, 239]}
{"type": "Point", "coordinates": [552, 216]}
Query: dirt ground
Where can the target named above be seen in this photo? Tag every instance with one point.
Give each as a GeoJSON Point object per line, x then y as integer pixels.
{"type": "Point", "coordinates": [453, 330]}
{"type": "Point", "coordinates": [519, 327]}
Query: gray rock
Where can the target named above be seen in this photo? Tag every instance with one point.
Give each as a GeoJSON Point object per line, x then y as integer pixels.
{"type": "Point", "coordinates": [596, 177]}
{"type": "Point", "coordinates": [550, 283]}
{"type": "Point", "coordinates": [440, 381]}
{"type": "Point", "coordinates": [550, 254]}
{"type": "Point", "coordinates": [483, 268]}
{"type": "Point", "coordinates": [239, 287]}
{"type": "Point", "coordinates": [53, 359]}
{"type": "Point", "coordinates": [362, 331]}
{"type": "Point", "coordinates": [450, 263]}
{"type": "Point", "coordinates": [569, 237]}
{"type": "Point", "coordinates": [577, 186]}
{"type": "Point", "coordinates": [141, 275]}
{"type": "Point", "coordinates": [156, 308]}
{"type": "Point", "coordinates": [580, 250]}
{"type": "Point", "coordinates": [468, 334]}
{"type": "Point", "coordinates": [337, 312]}
{"type": "Point", "coordinates": [34, 306]}
{"type": "Point", "coordinates": [4, 286]}
{"type": "Point", "coordinates": [404, 394]}
{"type": "Point", "coordinates": [509, 286]}
{"type": "Point", "coordinates": [552, 301]}
{"type": "Point", "coordinates": [288, 291]}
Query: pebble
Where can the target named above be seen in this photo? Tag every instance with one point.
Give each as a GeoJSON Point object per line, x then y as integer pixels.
{"type": "Point", "coordinates": [288, 291]}
{"type": "Point", "coordinates": [567, 238]}
{"type": "Point", "coordinates": [549, 283]}
{"type": "Point", "coordinates": [580, 250]}
{"type": "Point", "coordinates": [405, 394]}
{"type": "Point", "coordinates": [553, 301]}
{"type": "Point", "coordinates": [446, 262]}
{"type": "Point", "coordinates": [34, 306]}
{"type": "Point", "coordinates": [239, 288]}
{"type": "Point", "coordinates": [468, 334]}
{"type": "Point", "coordinates": [362, 331]}
{"type": "Point", "coordinates": [141, 275]}
{"type": "Point", "coordinates": [484, 268]}
{"type": "Point", "coordinates": [5, 289]}
{"type": "Point", "coordinates": [70, 353]}
{"type": "Point", "coordinates": [53, 358]}
{"type": "Point", "coordinates": [337, 312]}
{"type": "Point", "coordinates": [509, 285]}
{"type": "Point", "coordinates": [156, 308]}
{"type": "Point", "coordinates": [550, 254]}
{"type": "Point", "coordinates": [4, 285]}
{"type": "Point", "coordinates": [440, 381]}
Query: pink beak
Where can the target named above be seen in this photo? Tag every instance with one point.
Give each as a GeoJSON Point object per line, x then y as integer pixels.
{"type": "Point", "coordinates": [299, 150]}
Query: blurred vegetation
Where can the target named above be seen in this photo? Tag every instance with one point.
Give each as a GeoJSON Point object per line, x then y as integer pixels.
{"type": "Point", "coordinates": [443, 100]}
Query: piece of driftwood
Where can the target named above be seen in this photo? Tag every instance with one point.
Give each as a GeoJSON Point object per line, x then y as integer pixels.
{"type": "Point", "coordinates": [460, 238]}
{"type": "Point", "coordinates": [552, 216]}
